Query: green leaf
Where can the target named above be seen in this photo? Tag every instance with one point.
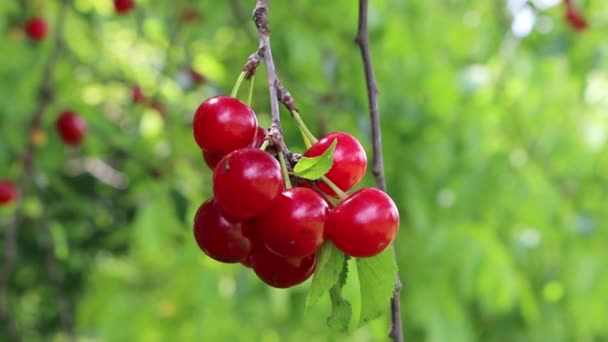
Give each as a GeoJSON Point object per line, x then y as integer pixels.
{"type": "Point", "coordinates": [316, 167]}
{"type": "Point", "coordinates": [330, 263]}
{"type": "Point", "coordinates": [341, 309]}
{"type": "Point", "coordinates": [180, 204]}
{"type": "Point", "coordinates": [377, 277]}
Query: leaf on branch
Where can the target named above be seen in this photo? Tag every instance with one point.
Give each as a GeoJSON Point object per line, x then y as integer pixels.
{"type": "Point", "coordinates": [341, 309]}
{"type": "Point", "coordinates": [313, 168]}
{"type": "Point", "coordinates": [377, 278]}
{"type": "Point", "coordinates": [330, 264]}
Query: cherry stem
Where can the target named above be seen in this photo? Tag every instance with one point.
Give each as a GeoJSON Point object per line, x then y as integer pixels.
{"type": "Point", "coordinates": [237, 85]}
{"type": "Point", "coordinates": [250, 94]}
{"type": "Point", "coordinates": [265, 145]}
{"type": "Point", "coordinates": [343, 195]}
{"type": "Point", "coordinates": [303, 128]}
{"type": "Point", "coordinates": [362, 40]}
{"type": "Point", "coordinates": [284, 170]}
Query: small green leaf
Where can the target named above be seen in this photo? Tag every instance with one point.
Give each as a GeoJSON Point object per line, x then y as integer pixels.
{"type": "Point", "coordinates": [330, 263]}
{"type": "Point", "coordinates": [180, 204]}
{"type": "Point", "coordinates": [341, 311]}
{"type": "Point", "coordinates": [316, 167]}
{"type": "Point", "coordinates": [377, 278]}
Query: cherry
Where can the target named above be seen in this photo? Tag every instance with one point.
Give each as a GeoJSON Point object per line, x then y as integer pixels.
{"type": "Point", "coordinates": [197, 77]}
{"type": "Point", "coordinates": [281, 272]}
{"type": "Point", "coordinates": [212, 158]}
{"type": "Point", "coordinates": [576, 20]}
{"type": "Point", "coordinates": [71, 127]}
{"type": "Point", "coordinates": [247, 182]}
{"type": "Point", "coordinates": [364, 224]}
{"type": "Point", "coordinates": [223, 124]}
{"type": "Point", "coordinates": [36, 28]}
{"type": "Point", "coordinates": [123, 6]}
{"type": "Point", "coordinates": [294, 227]}
{"type": "Point", "coordinates": [219, 235]}
{"type": "Point", "coordinates": [138, 95]}
{"type": "Point", "coordinates": [251, 231]}
{"type": "Point", "coordinates": [8, 192]}
{"type": "Point", "coordinates": [350, 161]}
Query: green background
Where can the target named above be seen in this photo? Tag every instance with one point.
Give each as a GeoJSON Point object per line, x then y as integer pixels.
{"type": "Point", "coordinates": [494, 143]}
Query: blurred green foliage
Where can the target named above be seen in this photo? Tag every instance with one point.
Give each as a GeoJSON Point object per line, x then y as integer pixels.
{"type": "Point", "coordinates": [494, 142]}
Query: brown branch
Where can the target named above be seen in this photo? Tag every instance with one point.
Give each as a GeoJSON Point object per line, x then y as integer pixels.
{"type": "Point", "coordinates": [10, 235]}
{"type": "Point", "coordinates": [362, 40]}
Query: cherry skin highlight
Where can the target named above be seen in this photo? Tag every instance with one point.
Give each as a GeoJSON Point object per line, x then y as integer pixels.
{"type": "Point", "coordinates": [36, 28]}
{"type": "Point", "coordinates": [220, 236]}
{"type": "Point", "coordinates": [71, 128]}
{"type": "Point", "coordinates": [294, 227]}
{"type": "Point", "coordinates": [212, 158]}
{"type": "Point", "coordinates": [224, 124]}
{"type": "Point", "coordinates": [350, 161]}
{"type": "Point", "coordinates": [8, 192]}
{"type": "Point", "coordinates": [364, 224]}
{"type": "Point", "coordinates": [281, 272]}
{"type": "Point", "coordinates": [247, 182]}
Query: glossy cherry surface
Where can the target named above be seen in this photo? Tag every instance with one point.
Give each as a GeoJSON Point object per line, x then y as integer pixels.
{"type": "Point", "coordinates": [224, 124]}
{"type": "Point", "coordinates": [8, 192]}
{"type": "Point", "coordinates": [364, 224]}
{"type": "Point", "coordinates": [212, 158]}
{"type": "Point", "coordinates": [247, 182]}
{"type": "Point", "coordinates": [71, 128]}
{"type": "Point", "coordinates": [294, 227]}
{"type": "Point", "coordinates": [281, 272]}
{"type": "Point", "coordinates": [123, 6]}
{"type": "Point", "coordinates": [36, 28]}
{"type": "Point", "coordinates": [350, 161]}
{"type": "Point", "coordinates": [219, 235]}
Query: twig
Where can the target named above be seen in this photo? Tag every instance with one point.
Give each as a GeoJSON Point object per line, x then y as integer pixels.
{"type": "Point", "coordinates": [362, 40]}
{"type": "Point", "coordinates": [10, 235]}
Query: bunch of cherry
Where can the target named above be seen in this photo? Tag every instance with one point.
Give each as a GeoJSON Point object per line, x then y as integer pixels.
{"type": "Point", "coordinates": [255, 218]}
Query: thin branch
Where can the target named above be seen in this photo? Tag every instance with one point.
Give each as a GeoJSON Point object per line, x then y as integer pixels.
{"type": "Point", "coordinates": [10, 235]}
{"type": "Point", "coordinates": [362, 40]}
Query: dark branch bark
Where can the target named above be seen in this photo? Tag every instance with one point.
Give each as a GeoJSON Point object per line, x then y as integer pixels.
{"type": "Point", "coordinates": [362, 39]}
{"type": "Point", "coordinates": [28, 158]}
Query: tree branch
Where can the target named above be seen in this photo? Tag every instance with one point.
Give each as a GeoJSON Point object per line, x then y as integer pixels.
{"type": "Point", "coordinates": [362, 40]}
{"type": "Point", "coordinates": [10, 235]}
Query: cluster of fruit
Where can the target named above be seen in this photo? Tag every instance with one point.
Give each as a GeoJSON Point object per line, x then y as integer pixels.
{"type": "Point", "coordinates": [256, 217]}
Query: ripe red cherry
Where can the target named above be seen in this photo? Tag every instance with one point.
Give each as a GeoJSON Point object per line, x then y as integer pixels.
{"type": "Point", "coordinates": [197, 77]}
{"type": "Point", "coordinates": [8, 192]}
{"type": "Point", "coordinates": [247, 182]}
{"type": "Point", "coordinates": [71, 127]}
{"type": "Point", "coordinates": [576, 19]}
{"type": "Point", "coordinates": [364, 224]}
{"type": "Point", "coordinates": [281, 272]}
{"type": "Point", "coordinates": [294, 227]}
{"type": "Point", "coordinates": [220, 236]}
{"type": "Point", "coordinates": [123, 6]}
{"type": "Point", "coordinates": [224, 124]}
{"type": "Point", "coordinates": [252, 232]}
{"type": "Point", "coordinates": [212, 158]}
{"type": "Point", "coordinates": [138, 95]}
{"type": "Point", "coordinates": [350, 161]}
{"type": "Point", "coordinates": [36, 28]}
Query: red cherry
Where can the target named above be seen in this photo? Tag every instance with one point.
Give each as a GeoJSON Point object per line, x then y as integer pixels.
{"type": "Point", "coordinates": [138, 95]}
{"type": "Point", "coordinates": [251, 231]}
{"type": "Point", "coordinates": [8, 192]}
{"type": "Point", "coordinates": [364, 224]}
{"type": "Point", "coordinates": [576, 19]}
{"type": "Point", "coordinates": [247, 182]}
{"type": "Point", "coordinates": [294, 227]}
{"type": "Point", "coordinates": [197, 78]}
{"type": "Point", "coordinates": [220, 236]}
{"type": "Point", "coordinates": [281, 272]}
{"type": "Point", "coordinates": [224, 124]}
{"type": "Point", "coordinates": [36, 28]}
{"type": "Point", "coordinates": [123, 6]}
{"type": "Point", "coordinates": [212, 158]}
{"type": "Point", "coordinates": [71, 127]}
{"type": "Point", "coordinates": [350, 161]}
